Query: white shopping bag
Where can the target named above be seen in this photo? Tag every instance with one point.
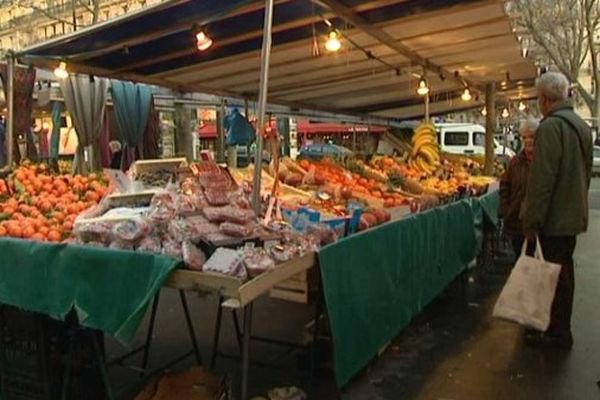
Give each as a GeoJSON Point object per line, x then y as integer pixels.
{"type": "Point", "coordinates": [529, 291]}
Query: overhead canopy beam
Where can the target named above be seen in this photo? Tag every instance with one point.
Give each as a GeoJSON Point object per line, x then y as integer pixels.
{"type": "Point", "coordinates": [382, 36]}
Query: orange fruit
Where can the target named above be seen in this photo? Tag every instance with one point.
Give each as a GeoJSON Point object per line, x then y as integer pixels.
{"type": "Point", "coordinates": [28, 232]}
{"type": "Point", "coordinates": [3, 231]}
{"type": "Point", "coordinates": [38, 236]}
{"type": "Point", "coordinates": [44, 230]}
{"type": "Point", "coordinates": [15, 231]}
{"type": "Point", "coordinates": [54, 236]}
{"type": "Point", "coordinates": [92, 196]}
{"type": "Point", "coordinates": [59, 216]}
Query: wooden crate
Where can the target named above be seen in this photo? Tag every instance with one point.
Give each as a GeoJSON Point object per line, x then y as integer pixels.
{"type": "Point", "coordinates": [299, 288]}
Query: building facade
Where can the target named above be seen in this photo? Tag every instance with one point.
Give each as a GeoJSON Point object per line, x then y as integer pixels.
{"type": "Point", "coordinates": [26, 22]}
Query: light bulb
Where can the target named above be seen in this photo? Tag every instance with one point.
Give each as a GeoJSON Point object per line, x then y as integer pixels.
{"type": "Point", "coordinates": [333, 43]}
{"type": "Point", "coordinates": [466, 96]}
{"type": "Point", "coordinates": [505, 113]}
{"type": "Point", "coordinates": [423, 89]}
{"type": "Point", "coordinates": [203, 42]}
{"type": "Point", "coordinates": [484, 111]}
{"type": "Point", "coordinates": [61, 71]}
{"type": "Point", "coordinates": [522, 106]}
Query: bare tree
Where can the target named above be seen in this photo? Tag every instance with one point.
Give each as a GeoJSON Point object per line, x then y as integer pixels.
{"type": "Point", "coordinates": [565, 32]}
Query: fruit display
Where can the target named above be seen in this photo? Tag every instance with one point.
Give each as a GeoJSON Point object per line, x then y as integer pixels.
{"type": "Point", "coordinates": [425, 153]}
{"type": "Point", "coordinates": [38, 205]}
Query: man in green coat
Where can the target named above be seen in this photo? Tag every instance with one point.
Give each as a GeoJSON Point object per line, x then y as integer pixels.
{"type": "Point", "coordinates": [556, 205]}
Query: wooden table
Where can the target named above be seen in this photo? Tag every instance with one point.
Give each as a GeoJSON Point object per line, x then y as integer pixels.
{"type": "Point", "coordinates": [236, 295]}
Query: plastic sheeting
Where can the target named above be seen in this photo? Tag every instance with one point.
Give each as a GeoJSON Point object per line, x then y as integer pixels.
{"type": "Point", "coordinates": [108, 289]}
{"type": "Point", "coordinates": [377, 281]}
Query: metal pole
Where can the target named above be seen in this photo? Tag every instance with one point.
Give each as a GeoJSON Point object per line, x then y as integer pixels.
{"type": "Point", "coordinates": [490, 127]}
{"type": "Point", "coordinates": [427, 108]}
{"type": "Point", "coordinates": [10, 120]}
{"type": "Point", "coordinates": [262, 102]}
{"type": "Point", "coordinates": [246, 347]}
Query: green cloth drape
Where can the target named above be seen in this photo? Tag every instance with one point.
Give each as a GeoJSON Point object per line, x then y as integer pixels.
{"type": "Point", "coordinates": [109, 289]}
{"type": "Point", "coordinates": [375, 282]}
{"type": "Point", "coordinates": [57, 108]}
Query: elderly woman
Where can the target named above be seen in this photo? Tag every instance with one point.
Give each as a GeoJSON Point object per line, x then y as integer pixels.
{"type": "Point", "coordinates": [513, 185]}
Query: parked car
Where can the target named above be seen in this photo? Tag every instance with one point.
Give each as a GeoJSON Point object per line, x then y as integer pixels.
{"type": "Point", "coordinates": [468, 139]}
{"type": "Point", "coordinates": [316, 151]}
{"type": "Point", "coordinates": [596, 162]}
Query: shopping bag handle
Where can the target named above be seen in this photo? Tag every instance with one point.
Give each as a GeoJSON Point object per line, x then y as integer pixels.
{"type": "Point", "coordinates": [538, 254]}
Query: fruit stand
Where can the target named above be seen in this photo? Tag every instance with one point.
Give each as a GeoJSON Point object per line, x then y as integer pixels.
{"type": "Point", "coordinates": [390, 232]}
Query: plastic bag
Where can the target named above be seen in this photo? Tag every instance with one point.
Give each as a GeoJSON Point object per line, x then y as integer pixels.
{"type": "Point", "coordinates": [121, 245]}
{"type": "Point", "coordinates": [150, 244]}
{"type": "Point", "coordinates": [237, 215]}
{"type": "Point", "coordinates": [529, 291]}
{"type": "Point", "coordinates": [131, 230]}
{"type": "Point", "coordinates": [193, 257]}
{"type": "Point", "coordinates": [163, 208]}
{"type": "Point", "coordinates": [172, 248]}
{"type": "Point", "coordinates": [239, 130]}
{"type": "Point", "coordinates": [93, 232]}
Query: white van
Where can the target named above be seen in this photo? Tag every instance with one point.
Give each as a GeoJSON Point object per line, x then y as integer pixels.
{"type": "Point", "coordinates": [468, 139]}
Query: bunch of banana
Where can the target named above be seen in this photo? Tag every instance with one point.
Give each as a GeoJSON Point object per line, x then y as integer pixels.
{"type": "Point", "coordinates": [426, 151]}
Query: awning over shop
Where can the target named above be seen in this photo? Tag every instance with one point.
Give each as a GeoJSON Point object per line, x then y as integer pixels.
{"type": "Point", "coordinates": [461, 42]}
{"type": "Point", "coordinates": [306, 127]}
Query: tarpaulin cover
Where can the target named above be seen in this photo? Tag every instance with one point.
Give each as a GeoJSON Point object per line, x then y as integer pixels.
{"type": "Point", "coordinates": [108, 289]}
{"type": "Point", "coordinates": [377, 281]}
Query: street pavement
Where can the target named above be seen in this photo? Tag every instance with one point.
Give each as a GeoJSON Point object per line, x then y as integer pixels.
{"type": "Point", "coordinates": [454, 350]}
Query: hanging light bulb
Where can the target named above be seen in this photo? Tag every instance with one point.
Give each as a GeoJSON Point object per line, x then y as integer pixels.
{"type": "Point", "coordinates": [484, 111]}
{"type": "Point", "coordinates": [505, 113]}
{"type": "Point", "coordinates": [466, 96]}
{"type": "Point", "coordinates": [61, 71]}
{"type": "Point", "coordinates": [333, 43]}
{"type": "Point", "coordinates": [423, 89]}
{"type": "Point", "coordinates": [203, 41]}
{"type": "Point", "coordinates": [522, 106]}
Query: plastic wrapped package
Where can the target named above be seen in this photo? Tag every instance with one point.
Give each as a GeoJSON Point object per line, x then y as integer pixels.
{"type": "Point", "coordinates": [257, 261]}
{"type": "Point", "coordinates": [172, 248]}
{"type": "Point", "coordinates": [199, 201]}
{"type": "Point", "coordinates": [226, 261]}
{"type": "Point", "coordinates": [239, 199]}
{"type": "Point", "coordinates": [185, 204]}
{"type": "Point", "coordinates": [150, 244]}
{"type": "Point", "coordinates": [131, 230]}
{"type": "Point", "coordinates": [193, 257]}
{"type": "Point", "coordinates": [216, 197]}
{"type": "Point", "coordinates": [100, 232]}
{"type": "Point", "coordinates": [236, 230]}
{"type": "Point", "coordinates": [178, 230]}
{"type": "Point", "coordinates": [215, 181]}
{"type": "Point", "coordinates": [215, 214]}
{"type": "Point", "coordinates": [283, 253]}
{"type": "Point", "coordinates": [324, 233]}
{"type": "Point", "coordinates": [121, 245]}
{"type": "Point", "coordinates": [237, 215]}
{"type": "Point", "coordinates": [94, 243]}
{"type": "Point", "coordinates": [163, 208]}
{"type": "Point", "coordinates": [216, 237]}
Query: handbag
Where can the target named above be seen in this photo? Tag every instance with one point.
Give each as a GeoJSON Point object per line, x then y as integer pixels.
{"type": "Point", "coordinates": [529, 291]}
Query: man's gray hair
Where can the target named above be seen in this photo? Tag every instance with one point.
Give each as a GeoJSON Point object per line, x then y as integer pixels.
{"type": "Point", "coordinates": [554, 86]}
{"type": "Point", "coordinates": [529, 125]}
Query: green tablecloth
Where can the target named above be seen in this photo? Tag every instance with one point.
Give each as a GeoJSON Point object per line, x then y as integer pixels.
{"type": "Point", "coordinates": [109, 289]}
{"type": "Point", "coordinates": [377, 281]}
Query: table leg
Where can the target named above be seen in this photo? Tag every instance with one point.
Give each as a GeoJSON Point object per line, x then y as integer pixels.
{"type": "Point", "coordinates": [246, 349]}
{"type": "Point", "coordinates": [315, 338]}
{"type": "Point", "coordinates": [236, 326]}
{"type": "Point", "coordinates": [150, 333]}
{"type": "Point", "coordinates": [217, 334]}
{"type": "Point", "coordinates": [190, 327]}
{"type": "Point", "coordinates": [102, 366]}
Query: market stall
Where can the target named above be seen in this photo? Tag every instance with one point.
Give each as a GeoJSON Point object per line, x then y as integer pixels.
{"type": "Point", "coordinates": [405, 263]}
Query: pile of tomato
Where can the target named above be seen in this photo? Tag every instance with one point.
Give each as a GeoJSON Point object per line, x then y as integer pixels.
{"type": "Point", "coordinates": [36, 204]}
